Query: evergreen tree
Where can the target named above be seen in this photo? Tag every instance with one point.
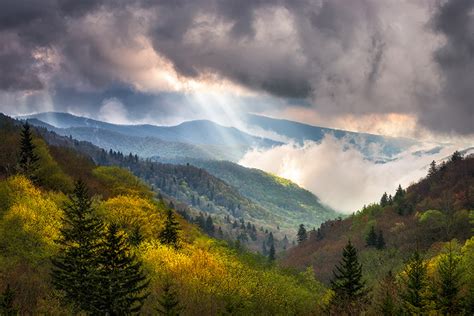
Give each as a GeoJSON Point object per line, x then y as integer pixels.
{"type": "Point", "coordinates": [74, 271]}
{"type": "Point", "coordinates": [302, 235]}
{"type": "Point", "coordinates": [264, 248]}
{"type": "Point", "coordinates": [349, 288]}
{"type": "Point", "coordinates": [169, 303]}
{"type": "Point", "coordinates": [169, 234]}
{"type": "Point", "coordinates": [210, 226]}
{"type": "Point", "coordinates": [122, 282]}
{"type": "Point", "coordinates": [28, 160]}
{"type": "Point", "coordinates": [271, 253]}
{"type": "Point", "coordinates": [380, 241]}
{"type": "Point", "coordinates": [457, 156]}
{"type": "Point", "coordinates": [449, 283]}
{"type": "Point", "coordinates": [415, 283]}
{"type": "Point", "coordinates": [371, 239]}
{"type": "Point", "coordinates": [6, 302]}
{"type": "Point", "coordinates": [384, 200]}
{"type": "Point", "coordinates": [136, 237]}
{"type": "Point", "coordinates": [433, 169]}
{"type": "Point", "coordinates": [270, 239]}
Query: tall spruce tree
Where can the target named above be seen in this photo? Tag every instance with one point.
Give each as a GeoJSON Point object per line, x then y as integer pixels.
{"type": "Point", "coordinates": [371, 238]}
{"type": "Point", "coordinates": [302, 235]}
{"type": "Point", "coordinates": [75, 267]}
{"type": "Point", "coordinates": [350, 291]}
{"type": "Point", "coordinates": [386, 296]}
{"type": "Point", "coordinates": [169, 302]}
{"type": "Point", "coordinates": [122, 283]}
{"type": "Point", "coordinates": [169, 234]}
{"type": "Point", "coordinates": [271, 253]}
{"type": "Point", "coordinates": [449, 283]}
{"type": "Point", "coordinates": [136, 237]}
{"type": "Point", "coordinates": [28, 160]}
{"type": "Point", "coordinates": [415, 285]}
{"type": "Point", "coordinates": [384, 200]}
{"type": "Point", "coordinates": [380, 244]}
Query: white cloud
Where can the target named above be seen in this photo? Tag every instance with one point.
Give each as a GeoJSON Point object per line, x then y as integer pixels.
{"type": "Point", "coordinates": [338, 173]}
{"type": "Point", "coordinates": [113, 111]}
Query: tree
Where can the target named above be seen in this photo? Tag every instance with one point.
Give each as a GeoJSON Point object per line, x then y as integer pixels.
{"type": "Point", "coordinates": [371, 239]}
{"type": "Point", "coordinates": [350, 292]}
{"type": "Point", "coordinates": [449, 283]}
{"type": "Point", "coordinates": [415, 283]}
{"type": "Point", "coordinates": [75, 267]}
{"type": "Point", "coordinates": [6, 302]}
{"type": "Point", "coordinates": [457, 156]}
{"type": "Point", "coordinates": [386, 299]}
{"type": "Point", "coordinates": [136, 237]}
{"type": "Point", "coordinates": [384, 200]}
{"type": "Point", "coordinates": [380, 244]}
{"type": "Point", "coordinates": [271, 253]}
{"type": "Point", "coordinates": [169, 303]}
{"type": "Point", "coordinates": [302, 235]}
{"type": "Point", "coordinates": [28, 160]}
{"type": "Point", "coordinates": [169, 234]}
{"type": "Point", "coordinates": [210, 229]}
{"type": "Point", "coordinates": [433, 169]}
{"type": "Point", "coordinates": [123, 284]}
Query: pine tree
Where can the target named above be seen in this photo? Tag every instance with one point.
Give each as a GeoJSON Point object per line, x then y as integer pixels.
{"type": "Point", "coordinates": [371, 239]}
{"type": "Point", "coordinates": [449, 283]}
{"type": "Point", "coordinates": [169, 234]}
{"type": "Point", "coordinates": [433, 169]}
{"type": "Point", "coordinates": [169, 303]}
{"type": "Point", "coordinates": [384, 200]}
{"type": "Point", "coordinates": [349, 288]}
{"type": "Point", "coordinates": [210, 229]}
{"type": "Point", "coordinates": [28, 160]}
{"type": "Point", "coordinates": [302, 234]}
{"type": "Point", "coordinates": [136, 237]}
{"type": "Point", "coordinates": [122, 282]}
{"type": "Point", "coordinates": [415, 283]}
{"type": "Point", "coordinates": [75, 267]}
{"type": "Point", "coordinates": [457, 156]}
{"type": "Point", "coordinates": [6, 302]}
{"type": "Point", "coordinates": [271, 253]}
{"type": "Point", "coordinates": [380, 244]}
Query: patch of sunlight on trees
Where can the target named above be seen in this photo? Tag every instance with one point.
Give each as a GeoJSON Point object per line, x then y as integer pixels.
{"type": "Point", "coordinates": [121, 182]}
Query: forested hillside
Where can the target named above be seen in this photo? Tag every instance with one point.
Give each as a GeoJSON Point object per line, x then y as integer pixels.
{"type": "Point", "coordinates": [432, 219]}
{"type": "Point", "coordinates": [175, 266]}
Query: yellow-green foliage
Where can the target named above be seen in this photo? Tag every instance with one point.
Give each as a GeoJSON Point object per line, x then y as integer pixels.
{"type": "Point", "coordinates": [209, 277]}
{"type": "Point", "coordinates": [121, 182]}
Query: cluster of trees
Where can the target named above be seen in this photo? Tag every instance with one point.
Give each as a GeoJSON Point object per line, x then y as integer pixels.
{"type": "Point", "coordinates": [415, 291]}
{"type": "Point", "coordinates": [374, 239]}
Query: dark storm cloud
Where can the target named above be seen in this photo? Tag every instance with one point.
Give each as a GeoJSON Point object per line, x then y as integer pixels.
{"type": "Point", "coordinates": [455, 21]}
{"type": "Point", "coordinates": [352, 57]}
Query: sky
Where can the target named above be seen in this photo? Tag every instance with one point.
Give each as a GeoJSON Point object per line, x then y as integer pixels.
{"type": "Point", "coordinates": [395, 67]}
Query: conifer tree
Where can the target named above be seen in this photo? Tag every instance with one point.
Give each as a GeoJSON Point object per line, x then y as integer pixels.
{"type": "Point", "coordinates": [349, 288]}
{"type": "Point", "coordinates": [415, 284]}
{"type": "Point", "coordinates": [169, 234]}
{"type": "Point", "coordinates": [433, 169]}
{"type": "Point", "coordinates": [123, 284]}
{"type": "Point", "coordinates": [6, 302]}
{"type": "Point", "coordinates": [380, 244]}
{"type": "Point", "coordinates": [371, 239]}
{"type": "Point", "coordinates": [271, 253]}
{"type": "Point", "coordinates": [28, 160]}
{"type": "Point", "coordinates": [210, 229]}
{"type": "Point", "coordinates": [75, 267]}
{"type": "Point", "coordinates": [384, 200]}
{"type": "Point", "coordinates": [302, 234]}
{"type": "Point", "coordinates": [449, 283]}
{"type": "Point", "coordinates": [169, 303]}
{"type": "Point", "coordinates": [386, 298]}
{"type": "Point", "coordinates": [136, 237]}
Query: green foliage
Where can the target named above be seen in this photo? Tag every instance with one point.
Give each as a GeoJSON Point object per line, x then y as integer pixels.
{"type": "Point", "coordinates": [28, 160]}
{"type": "Point", "coordinates": [415, 283]}
{"type": "Point", "coordinates": [380, 241]}
{"type": "Point", "coordinates": [121, 284]}
{"type": "Point", "coordinates": [169, 234]}
{"type": "Point", "coordinates": [7, 307]}
{"type": "Point", "coordinates": [169, 303]}
{"type": "Point", "coordinates": [271, 253]}
{"type": "Point", "coordinates": [75, 271]}
{"type": "Point", "coordinates": [302, 234]}
{"type": "Point", "coordinates": [350, 292]}
{"type": "Point", "coordinates": [121, 182]}
{"type": "Point", "coordinates": [371, 238]}
{"type": "Point", "coordinates": [449, 283]}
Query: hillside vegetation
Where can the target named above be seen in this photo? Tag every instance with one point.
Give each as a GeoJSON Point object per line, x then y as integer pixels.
{"type": "Point", "coordinates": [207, 276]}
